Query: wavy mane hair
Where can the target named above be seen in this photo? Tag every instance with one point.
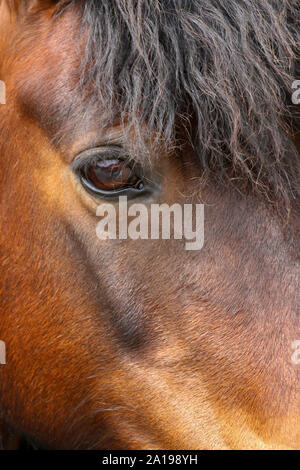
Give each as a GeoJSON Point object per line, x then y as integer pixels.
{"type": "Point", "coordinates": [224, 70]}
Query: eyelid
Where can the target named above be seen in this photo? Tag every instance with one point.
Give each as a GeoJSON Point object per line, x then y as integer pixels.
{"type": "Point", "coordinates": [99, 153]}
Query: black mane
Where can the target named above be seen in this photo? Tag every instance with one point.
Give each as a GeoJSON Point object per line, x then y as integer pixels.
{"type": "Point", "coordinates": [225, 68]}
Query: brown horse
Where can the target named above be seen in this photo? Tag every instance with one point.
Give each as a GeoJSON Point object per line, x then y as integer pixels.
{"type": "Point", "coordinates": [141, 344]}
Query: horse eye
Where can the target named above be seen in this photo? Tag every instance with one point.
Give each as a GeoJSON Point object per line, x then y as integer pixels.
{"type": "Point", "coordinates": [109, 177]}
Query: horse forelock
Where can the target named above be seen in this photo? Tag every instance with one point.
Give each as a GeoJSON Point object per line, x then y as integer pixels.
{"type": "Point", "coordinates": [224, 71]}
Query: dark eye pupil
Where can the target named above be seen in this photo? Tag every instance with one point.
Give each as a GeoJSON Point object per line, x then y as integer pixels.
{"type": "Point", "coordinates": [109, 175]}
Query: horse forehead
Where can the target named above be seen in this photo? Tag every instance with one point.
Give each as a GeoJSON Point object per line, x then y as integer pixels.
{"type": "Point", "coordinates": [46, 79]}
{"type": "Point", "coordinates": [45, 74]}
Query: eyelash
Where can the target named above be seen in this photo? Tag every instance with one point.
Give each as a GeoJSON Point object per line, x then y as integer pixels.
{"type": "Point", "coordinates": [96, 154]}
